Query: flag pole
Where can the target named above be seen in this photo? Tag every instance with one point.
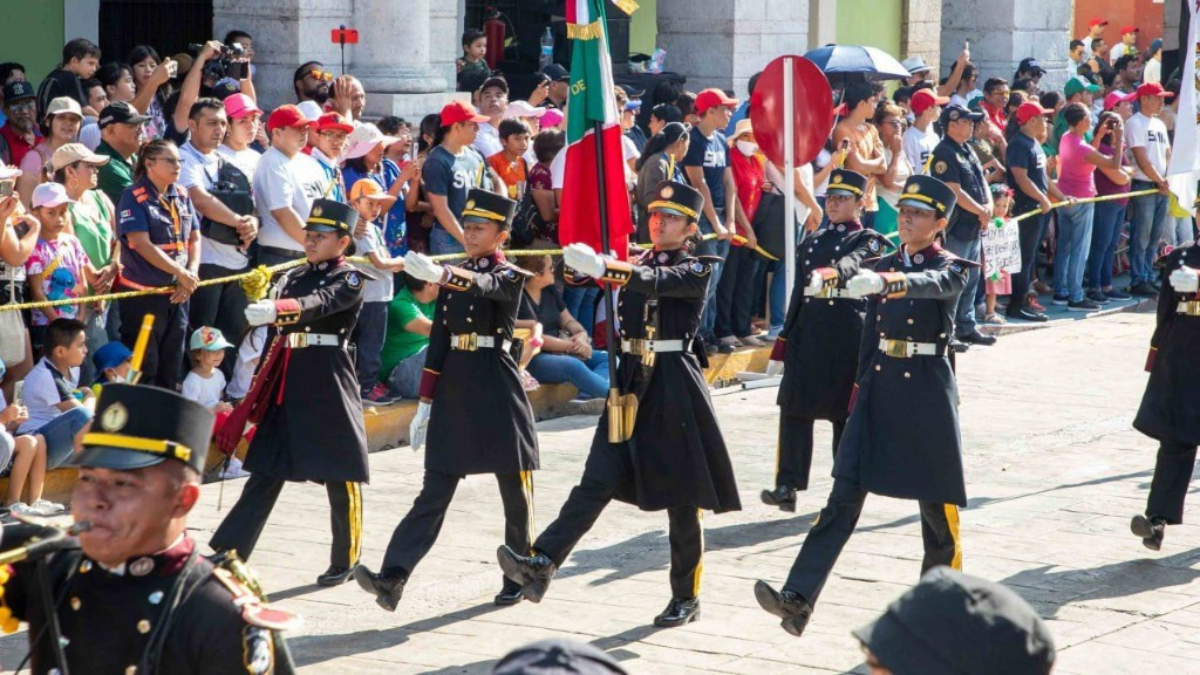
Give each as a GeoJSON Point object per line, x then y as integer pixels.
{"type": "Point", "coordinates": [610, 333]}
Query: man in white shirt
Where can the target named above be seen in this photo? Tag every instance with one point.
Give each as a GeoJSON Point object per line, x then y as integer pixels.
{"type": "Point", "coordinates": [493, 102]}
{"type": "Point", "coordinates": [1095, 30]}
{"type": "Point", "coordinates": [920, 139]}
{"type": "Point", "coordinates": [285, 184]}
{"type": "Point", "coordinates": [1150, 148]}
{"type": "Point", "coordinates": [1127, 45]}
{"type": "Point", "coordinates": [226, 234]}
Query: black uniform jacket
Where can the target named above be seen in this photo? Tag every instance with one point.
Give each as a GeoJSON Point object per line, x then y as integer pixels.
{"type": "Point", "coordinates": [677, 454]}
{"type": "Point", "coordinates": [108, 618]}
{"type": "Point", "coordinates": [820, 340]}
{"type": "Point", "coordinates": [481, 420]}
{"type": "Point", "coordinates": [313, 430]}
{"type": "Point", "coordinates": [955, 163]}
{"type": "Point", "coordinates": [1170, 409]}
{"type": "Point", "coordinates": [902, 438]}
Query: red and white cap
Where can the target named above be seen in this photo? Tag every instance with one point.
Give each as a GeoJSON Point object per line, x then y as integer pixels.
{"type": "Point", "coordinates": [461, 111]}
{"type": "Point", "coordinates": [924, 99]}
{"type": "Point", "coordinates": [711, 98]}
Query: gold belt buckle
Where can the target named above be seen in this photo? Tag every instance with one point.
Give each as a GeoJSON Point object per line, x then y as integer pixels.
{"type": "Point", "coordinates": [637, 347]}
{"type": "Point", "coordinates": [897, 349]}
{"type": "Point", "coordinates": [297, 340]}
{"type": "Point", "coordinates": [467, 342]}
{"type": "Point", "coordinates": [1191, 307]}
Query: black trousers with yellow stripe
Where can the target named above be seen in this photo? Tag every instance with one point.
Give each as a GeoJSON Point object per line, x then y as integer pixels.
{"type": "Point", "coordinates": [242, 527]}
{"type": "Point", "coordinates": [835, 524]}
{"type": "Point", "coordinates": [793, 461]}
{"type": "Point", "coordinates": [415, 535]}
{"type": "Point", "coordinates": [587, 501]}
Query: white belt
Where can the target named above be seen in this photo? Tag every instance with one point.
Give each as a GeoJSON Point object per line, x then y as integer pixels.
{"type": "Point", "coordinates": [1189, 307]}
{"type": "Point", "coordinates": [642, 347]}
{"type": "Point", "coordinates": [828, 293]}
{"type": "Point", "coordinates": [903, 349]}
{"type": "Point", "coordinates": [469, 342]}
{"type": "Point", "coordinates": [302, 340]}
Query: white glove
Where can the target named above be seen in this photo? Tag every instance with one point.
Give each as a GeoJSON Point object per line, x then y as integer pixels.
{"type": "Point", "coordinates": [865, 283]}
{"type": "Point", "coordinates": [582, 259]}
{"type": "Point", "coordinates": [423, 268]}
{"type": "Point", "coordinates": [774, 368]}
{"type": "Point", "coordinates": [815, 283]}
{"type": "Point", "coordinates": [1185, 280]}
{"type": "Point", "coordinates": [261, 312]}
{"type": "Point", "coordinates": [416, 430]}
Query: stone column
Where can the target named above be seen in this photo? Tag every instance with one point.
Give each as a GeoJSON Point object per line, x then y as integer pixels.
{"type": "Point", "coordinates": [721, 43]}
{"type": "Point", "coordinates": [923, 31]}
{"type": "Point", "coordinates": [393, 58]}
{"type": "Point", "coordinates": [1003, 32]}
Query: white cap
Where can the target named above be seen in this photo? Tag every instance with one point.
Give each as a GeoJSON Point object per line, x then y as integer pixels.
{"type": "Point", "coordinates": [310, 109]}
{"type": "Point", "coordinates": [363, 139]}
{"type": "Point", "coordinates": [914, 65]}
{"type": "Point", "coordinates": [9, 172]}
{"type": "Point", "coordinates": [523, 109]}
{"type": "Point", "coordinates": [50, 195]}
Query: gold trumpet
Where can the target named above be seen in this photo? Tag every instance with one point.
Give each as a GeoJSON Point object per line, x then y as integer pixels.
{"type": "Point", "coordinates": [55, 539]}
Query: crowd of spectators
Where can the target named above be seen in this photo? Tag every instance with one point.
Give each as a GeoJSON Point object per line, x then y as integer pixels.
{"type": "Point", "coordinates": [124, 175]}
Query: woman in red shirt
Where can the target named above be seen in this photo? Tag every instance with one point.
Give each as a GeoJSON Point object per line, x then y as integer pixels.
{"type": "Point", "coordinates": [735, 292]}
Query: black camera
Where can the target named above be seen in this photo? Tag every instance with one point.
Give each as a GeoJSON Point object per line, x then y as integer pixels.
{"type": "Point", "coordinates": [229, 62]}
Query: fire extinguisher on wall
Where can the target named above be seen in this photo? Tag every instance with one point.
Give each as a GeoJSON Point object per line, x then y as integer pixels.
{"type": "Point", "coordinates": [494, 29]}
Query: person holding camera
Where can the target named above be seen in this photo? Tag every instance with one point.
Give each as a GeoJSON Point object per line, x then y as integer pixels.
{"type": "Point", "coordinates": [221, 195]}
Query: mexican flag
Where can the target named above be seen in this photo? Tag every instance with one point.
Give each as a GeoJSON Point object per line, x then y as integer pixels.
{"type": "Point", "coordinates": [591, 101]}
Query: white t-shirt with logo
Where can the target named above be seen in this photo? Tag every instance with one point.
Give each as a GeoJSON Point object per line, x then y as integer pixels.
{"type": "Point", "coordinates": [1149, 133]}
{"type": "Point", "coordinates": [918, 146]}
{"type": "Point", "coordinates": [280, 181]}
{"type": "Point", "coordinates": [197, 169]}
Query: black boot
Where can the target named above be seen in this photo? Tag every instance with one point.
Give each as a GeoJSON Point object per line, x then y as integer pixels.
{"type": "Point", "coordinates": [679, 612]}
{"type": "Point", "coordinates": [336, 575]}
{"type": "Point", "coordinates": [387, 586]}
{"type": "Point", "coordinates": [783, 496]}
{"type": "Point", "coordinates": [1150, 529]}
{"type": "Point", "coordinates": [509, 595]}
{"type": "Point", "coordinates": [787, 605]}
{"type": "Point", "coordinates": [533, 573]}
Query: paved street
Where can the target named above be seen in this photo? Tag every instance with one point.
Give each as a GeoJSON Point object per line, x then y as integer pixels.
{"type": "Point", "coordinates": [1054, 474]}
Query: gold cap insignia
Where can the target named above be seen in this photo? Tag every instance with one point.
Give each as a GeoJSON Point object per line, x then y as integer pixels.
{"type": "Point", "coordinates": [115, 417]}
{"type": "Point", "coordinates": [317, 211]}
{"type": "Point", "coordinates": [837, 178]}
{"type": "Point", "coordinates": [914, 188]}
{"type": "Point", "coordinates": [470, 203]}
{"type": "Point", "coordinates": [667, 192]}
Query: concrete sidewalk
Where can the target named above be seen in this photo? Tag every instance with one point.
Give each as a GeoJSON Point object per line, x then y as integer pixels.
{"type": "Point", "coordinates": [1054, 474]}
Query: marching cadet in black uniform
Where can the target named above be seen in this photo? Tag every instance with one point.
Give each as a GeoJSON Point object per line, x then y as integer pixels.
{"type": "Point", "coordinates": [131, 594]}
{"type": "Point", "coordinates": [660, 447]}
{"type": "Point", "coordinates": [1170, 410]}
{"type": "Point", "coordinates": [820, 338]}
{"type": "Point", "coordinates": [305, 397]}
{"type": "Point", "coordinates": [473, 407]}
{"type": "Point", "coordinates": [902, 437]}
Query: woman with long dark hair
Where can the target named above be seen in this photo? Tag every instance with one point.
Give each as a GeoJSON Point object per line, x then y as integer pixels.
{"type": "Point", "coordinates": [151, 76]}
{"type": "Point", "coordinates": [660, 160]}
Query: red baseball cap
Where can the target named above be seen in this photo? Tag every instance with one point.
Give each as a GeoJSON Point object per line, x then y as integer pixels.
{"type": "Point", "coordinates": [924, 99]}
{"type": "Point", "coordinates": [334, 121]}
{"type": "Point", "coordinates": [1116, 98]}
{"type": "Point", "coordinates": [287, 117]}
{"type": "Point", "coordinates": [710, 98]}
{"type": "Point", "coordinates": [1097, 22]}
{"type": "Point", "coordinates": [1153, 89]}
{"type": "Point", "coordinates": [1125, 30]}
{"type": "Point", "coordinates": [461, 111]}
{"type": "Point", "coordinates": [1029, 109]}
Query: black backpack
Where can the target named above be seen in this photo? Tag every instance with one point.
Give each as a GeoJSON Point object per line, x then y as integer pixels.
{"type": "Point", "coordinates": [231, 188]}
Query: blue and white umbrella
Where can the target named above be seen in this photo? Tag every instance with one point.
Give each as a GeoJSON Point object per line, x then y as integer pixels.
{"type": "Point", "coordinates": [841, 60]}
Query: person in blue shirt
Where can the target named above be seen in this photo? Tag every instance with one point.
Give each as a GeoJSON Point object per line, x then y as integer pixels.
{"type": "Point", "coordinates": [160, 246]}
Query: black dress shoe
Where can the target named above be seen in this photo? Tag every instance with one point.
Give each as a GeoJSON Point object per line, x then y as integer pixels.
{"type": "Point", "coordinates": [978, 338]}
{"type": "Point", "coordinates": [533, 572]}
{"type": "Point", "coordinates": [336, 575]}
{"type": "Point", "coordinates": [783, 496]}
{"type": "Point", "coordinates": [1026, 314]}
{"type": "Point", "coordinates": [387, 587]}
{"type": "Point", "coordinates": [509, 595]}
{"type": "Point", "coordinates": [787, 605]}
{"type": "Point", "coordinates": [958, 345]}
{"type": "Point", "coordinates": [679, 612]}
{"type": "Point", "coordinates": [1150, 529]}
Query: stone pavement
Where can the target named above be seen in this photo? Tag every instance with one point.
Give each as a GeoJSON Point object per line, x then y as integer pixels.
{"type": "Point", "coordinates": [1054, 474]}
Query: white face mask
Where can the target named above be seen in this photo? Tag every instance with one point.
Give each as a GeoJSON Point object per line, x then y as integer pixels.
{"type": "Point", "coordinates": [747, 148]}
